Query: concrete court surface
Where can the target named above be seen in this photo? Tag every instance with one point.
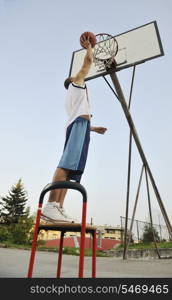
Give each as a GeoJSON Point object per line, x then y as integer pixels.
{"type": "Point", "coordinates": [14, 264]}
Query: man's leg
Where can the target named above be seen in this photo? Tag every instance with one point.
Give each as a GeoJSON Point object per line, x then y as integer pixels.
{"type": "Point", "coordinates": [62, 197]}
{"type": "Point", "coordinates": [52, 212]}
{"type": "Point", "coordinates": [59, 194]}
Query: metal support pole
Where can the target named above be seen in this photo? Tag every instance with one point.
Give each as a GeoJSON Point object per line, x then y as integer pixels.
{"type": "Point", "coordinates": [150, 215]}
{"type": "Point", "coordinates": [121, 98]}
{"type": "Point", "coordinates": [160, 230]}
{"type": "Point", "coordinates": [129, 172]}
{"type": "Point", "coordinates": [137, 226]}
{"type": "Point", "coordinates": [128, 195]}
{"type": "Point", "coordinates": [133, 216]}
{"type": "Point", "coordinates": [122, 234]}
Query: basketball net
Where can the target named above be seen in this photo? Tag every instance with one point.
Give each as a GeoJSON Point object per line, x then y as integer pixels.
{"type": "Point", "coordinates": [105, 51]}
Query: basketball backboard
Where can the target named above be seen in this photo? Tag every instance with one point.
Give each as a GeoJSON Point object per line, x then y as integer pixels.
{"type": "Point", "coordinates": [134, 47]}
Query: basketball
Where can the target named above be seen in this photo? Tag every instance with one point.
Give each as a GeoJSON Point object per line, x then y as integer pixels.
{"type": "Point", "coordinates": [88, 36]}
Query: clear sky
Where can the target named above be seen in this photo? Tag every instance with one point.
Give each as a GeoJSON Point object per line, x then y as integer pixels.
{"type": "Point", "coordinates": [37, 38]}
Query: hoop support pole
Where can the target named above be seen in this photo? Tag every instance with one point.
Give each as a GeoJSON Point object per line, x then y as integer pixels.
{"type": "Point", "coordinates": [122, 100]}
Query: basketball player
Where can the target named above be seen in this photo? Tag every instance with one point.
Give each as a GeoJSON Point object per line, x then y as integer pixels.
{"type": "Point", "coordinates": [73, 160]}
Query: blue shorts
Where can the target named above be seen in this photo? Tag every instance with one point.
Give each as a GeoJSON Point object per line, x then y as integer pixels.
{"type": "Point", "coordinates": [76, 148]}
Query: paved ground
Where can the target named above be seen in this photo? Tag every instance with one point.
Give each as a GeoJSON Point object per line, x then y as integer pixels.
{"type": "Point", "coordinates": [14, 263]}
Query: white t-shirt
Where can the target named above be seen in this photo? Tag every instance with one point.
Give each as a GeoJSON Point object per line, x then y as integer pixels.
{"type": "Point", "coordinates": [77, 102]}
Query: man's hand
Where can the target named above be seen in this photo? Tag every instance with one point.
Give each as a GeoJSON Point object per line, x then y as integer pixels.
{"type": "Point", "coordinates": [86, 43]}
{"type": "Point", "coordinates": [100, 130]}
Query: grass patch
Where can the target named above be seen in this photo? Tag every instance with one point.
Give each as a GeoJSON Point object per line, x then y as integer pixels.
{"type": "Point", "coordinates": [66, 250]}
{"type": "Point", "coordinates": [148, 245]}
{"type": "Point", "coordinates": [73, 251]}
{"type": "Point", "coordinates": [87, 252]}
{"type": "Point", "coordinates": [8, 244]}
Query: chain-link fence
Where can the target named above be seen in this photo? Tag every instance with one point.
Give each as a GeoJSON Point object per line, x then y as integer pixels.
{"type": "Point", "coordinates": [138, 229]}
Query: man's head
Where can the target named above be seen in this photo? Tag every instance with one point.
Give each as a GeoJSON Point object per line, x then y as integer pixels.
{"type": "Point", "coordinates": [68, 81]}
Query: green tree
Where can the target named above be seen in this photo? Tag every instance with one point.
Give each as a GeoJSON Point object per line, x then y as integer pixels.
{"type": "Point", "coordinates": [16, 222]}
{"type": "Point", "coordinates": [21, 232]}
{"type": "Point", "coordinates": [13, 205]}
{"type": "Point", "coordinates": [149, 234]}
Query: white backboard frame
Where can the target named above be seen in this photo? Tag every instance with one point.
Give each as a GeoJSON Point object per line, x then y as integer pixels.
{"type": "Point", "coordinates": [136, 46]}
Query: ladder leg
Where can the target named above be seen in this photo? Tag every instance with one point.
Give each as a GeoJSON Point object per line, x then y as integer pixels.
{"type": "Point", "coordinates": [94, 246]}
{"type": "Point", "coordinates": [34, 243]}
{"type": "Point", "coordinates": [60, 255]}
{"type": "Point", "coordinates": [82, 243]}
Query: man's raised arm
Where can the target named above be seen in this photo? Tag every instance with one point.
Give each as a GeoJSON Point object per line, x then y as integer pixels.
{"type": "Point", "coordinates": [88, 59]}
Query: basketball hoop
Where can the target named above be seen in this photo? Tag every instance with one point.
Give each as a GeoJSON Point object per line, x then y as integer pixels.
{"type": "Point", "coordinates": [105, 51]}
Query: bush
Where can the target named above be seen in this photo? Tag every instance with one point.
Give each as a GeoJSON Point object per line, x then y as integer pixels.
{"type": "Point", "coordinates": [20, 231]}
{"type": "Point", "coordinates": [41, 242]}
{"type": "Point", "coordinates": [70, 250]}
{"type": "Point", "coordinates": [4, 233]}
{"type": "Point", "coordinates": [149, 234]}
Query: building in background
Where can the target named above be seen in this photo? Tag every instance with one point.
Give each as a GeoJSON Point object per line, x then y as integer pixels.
{"type": "Point", "coordinates": [108, 237]}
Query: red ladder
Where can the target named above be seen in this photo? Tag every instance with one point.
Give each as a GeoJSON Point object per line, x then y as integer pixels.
{"type": "Point", "coordinates": [65, 227]}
